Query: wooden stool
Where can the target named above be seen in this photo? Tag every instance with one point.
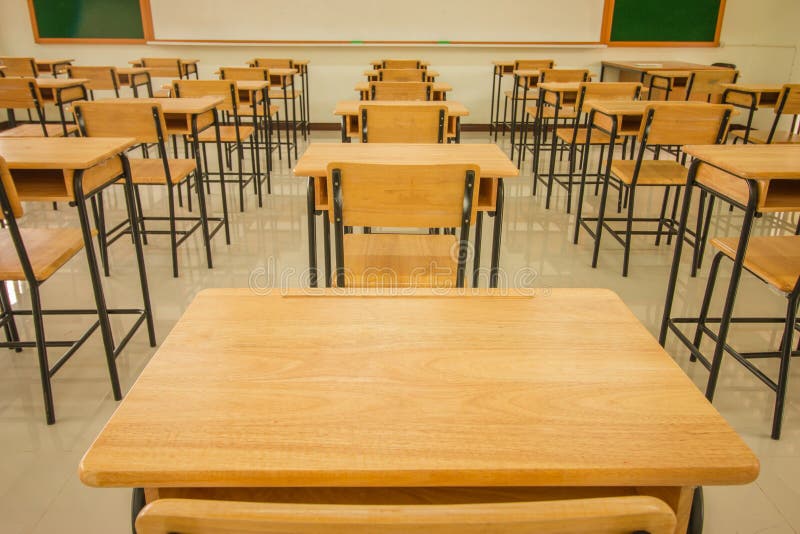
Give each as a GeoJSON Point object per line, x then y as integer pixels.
{"type": "Point", "coordinates": [775, 260]}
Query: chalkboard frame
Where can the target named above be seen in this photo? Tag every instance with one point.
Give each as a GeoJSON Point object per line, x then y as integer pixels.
{"type": "Point", "coordinates": [147, 27]}
{"type": "Point", "coordinates": [608, 21]}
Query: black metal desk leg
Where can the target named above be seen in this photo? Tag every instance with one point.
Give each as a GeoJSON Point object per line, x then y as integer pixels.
{"type": "Point", "coordinates": [221, 170]}
{"type": "Point", "coordinates": [676, 257]}
{"type": "Point", "coordinates": [493, 126]}
{"type": "Point", "coordinates": [733, 286]}
{"type": "Point", "coordinates": [476, 260]}
{"type": "Point", "coordinates": [312, 235]}
{"type": "Point", "coordinates": [137, 245]}
{"type": "Point", "coordinates": [97, 284]}
{"type": "Point", "coordinates": [326, 245]}
{"type": "Point", "coordinates": [602, 209]}
{"type": "Point", "coordinates": [498, 229]}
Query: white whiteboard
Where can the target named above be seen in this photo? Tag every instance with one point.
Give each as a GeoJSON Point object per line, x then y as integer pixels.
{"type": "Point", "coordinates": [470, 21]}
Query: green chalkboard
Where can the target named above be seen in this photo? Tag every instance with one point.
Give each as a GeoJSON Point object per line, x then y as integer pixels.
{"type": "Point", "coordinates": [665, 20]}
{"type": "Point", "coordinates": [88, 19]}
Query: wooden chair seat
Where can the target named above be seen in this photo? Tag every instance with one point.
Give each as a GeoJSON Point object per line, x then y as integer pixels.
{"type": "Point", "coordinates": [774, 259]}
{"type": "Point", "coordinates": [227, 134]}
{"type": "Point", "coordinates": [400, 260]}
{"type": "Point", "coordinates": [151, 171]}
{"type": "Point", "coordinates": [35, 130]}
{"type": "Point", "coordinates": [533, 94]}
{"type": "Point", "coordinates": [549, 112]}
{"type": "Point", "coordinates": [290, 94]}
{"type": "Point", "coordinates": [598, 137]}
{"type": "Point", "coordinates": [245, 110]}
{"type": "Point", "coordinates": [48, 250]}
{"type": "Point", "coordinates": [760, 138]}
{"type": "Point", "coordinates": [662, 172]}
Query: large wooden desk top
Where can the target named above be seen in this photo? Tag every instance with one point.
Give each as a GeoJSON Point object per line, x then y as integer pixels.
{"type": "Point", "coordinates": [340, 391]}
{"type": "Point", "coordinates": [179, 106]}
{"type": "Point", "coordinates": [43, 168]}
{"type": "Point", "coordinates": [656, 65]}
{"type": "Point", "coordinates": [492, 161]}
{"type": "Point", "coordinates": [350, 107]}
{"type": "Point", "coordinates": [437, 87]}
{"type": "Point", "coordinates": [755, 162]}
{"type": "Point", "coordinates": [60, 152]}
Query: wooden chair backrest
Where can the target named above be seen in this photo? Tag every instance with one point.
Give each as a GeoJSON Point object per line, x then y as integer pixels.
{"type": "Point", "coordinates": [244, 73]}
{"type": "Point", "coordinates": [402, 64]}
{"type": "Point", "coordinates": [163, 67]}
{"type": "Point", "coordinates": [685, 123]}
{"type": "Point", "coordinates": [791, 104]}
{"type": "Point", "coordinates": [417, 123]}
{"type": "Point", "coordinates": [11, 194]}
{"type": "Point", "coordinates": [564, 75]}
{"type": "Point", "coordinates": [401, 75]}
{"type": "Point", "coordinates": [608, 91]}
{"type": "Point", "coordinates": [19, 66]}
{"type": "Point", "coordinates": [100, 78]}
{"type": "Point", "coordinates": [403, 195]}
{"type": "Point", "coordinates": [614, 515]}
{"type": "Point", "coordinates": [703, 85]}
{"type": "Point", "coordinates": [110, 118]}
{"type": "Point", "coordinates": [19, 93]}
{"type": "Point", "coordinates": [274, 63]}
{"type": "Point", "coordinates": [533, 64]}
{"type": "Point", "coordinates": [400, 90]}
{"type": "Point", "coordinates": [197, 88]}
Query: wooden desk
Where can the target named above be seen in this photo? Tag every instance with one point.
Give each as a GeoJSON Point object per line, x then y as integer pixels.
{"type": "Point", "coordinates": [751, 97]}
{"type": "Point", "coordinates": [76, 169]}
{"type": "Point", "coordinates": [494, 165]}
{"type": "Point", "coordinates": [555, 96]}
{"type": "Point", "coordinates": [378, 63]}
{"type": "Point", "coordinates": [401, 411]}
{"type": "Point", "coordinates": [524, 80]}
{"type": "Point", "coordinates": [302, 67]}
{"type": "Point", "coordinates": [135, 77]}
{"type": "Point", "coordinates": [348, 110]}
{"type": "Point", "coordinates": [755, 178]}
{"type": "Point", "coordinates": [438, 91]}
{"type": "Point", "coordinates": [373, 75]}
{"type": "Point", "coordinates": [189, 66]}
{"type": "Point", "coordinates": [189, 117]}
{"type": "Point", "coordinates": [499, 69]}
{"type": "Point", "coordinates": [53, 66]}
{"type": "Point", "coordinates": [62, 91]}
{"type": "Point", "coordinates": [636, 71]}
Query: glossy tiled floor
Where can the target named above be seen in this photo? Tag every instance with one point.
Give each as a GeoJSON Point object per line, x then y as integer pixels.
{"type": "Point", "coordinates": [39, 488]}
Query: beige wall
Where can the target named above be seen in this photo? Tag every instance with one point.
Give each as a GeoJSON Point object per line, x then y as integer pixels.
{"type": "Point", "coordinates": [759, 36]}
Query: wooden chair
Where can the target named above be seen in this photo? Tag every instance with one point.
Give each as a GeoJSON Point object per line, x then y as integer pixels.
{"type": "Point", "coordinates": [402, 196]}
{"type": "Point", "coordinates": [167, 67]}
{"type": "Point", "coordinates": [232, 133]}
{"type": "Point", "coordinates": [100, 78]}
{"type": "Point", "coordinates": [788, 104]}
{"type": "Point", "coordinates": [24, 67]}
{"type": "Point", "coordinates": [614, 515]}
{"type": "Point", "coordinates": [665, 124]}
{"type": "Point", "coordinates": [524, 88]}
{"type": "Point", "coordinates": [400, 90]}
{"type": "Point", "coordinates": [33, 255]}
{"type": "Point", "coordinates": [286, 92]}
{"type": "Point", "coordinates": [542, 113]}
{"type": "Point", "coordinates": [402, 75]}
{"type": "Point", "coordinates": [775, 260]}
{"type": "Point", "coordinates": [575, 136]}
{"type": "Point", "coordinates": [703, 85]}
{"type": "Point", "coordinates": [246, 110]}
{"type": "Point", "coordinates": [145, 122]}
{"type": "Point", "coordinates": [23, 93]}
{"type": "Point", "coordinates": [403, 123]}
{"type": "Point", "coordinates": [402, 64]}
